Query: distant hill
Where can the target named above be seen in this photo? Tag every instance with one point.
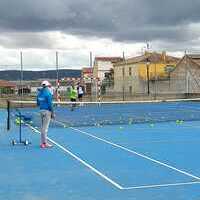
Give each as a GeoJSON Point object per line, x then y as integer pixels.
{"type": "Point", "coordinates": [14, 75]}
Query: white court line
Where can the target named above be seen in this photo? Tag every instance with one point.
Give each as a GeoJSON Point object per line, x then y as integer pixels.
{"type": "Point", "coordinates": [112, 102]}
{"type": "Point", "coordinates": [118, 186]}
{"type": "Point", "coordinates": [80, 160]}
{"type": "Point", "coordinates": [192, 108]}
{"type": "Point", "coordinates": [136, 153]}
{"type": "Point", "coordinates": [169, 123]}
{"type": "Point", "coordinates": [160, 185]}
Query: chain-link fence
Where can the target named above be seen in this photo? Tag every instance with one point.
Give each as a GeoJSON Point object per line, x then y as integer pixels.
{"type": "Point", "coordinates": [180, 81]}
{"type": "Point", "coordinates": [121, 83]}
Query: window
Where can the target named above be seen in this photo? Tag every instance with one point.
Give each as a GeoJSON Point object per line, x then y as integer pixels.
{"type": "Point", "coordinates": [123, 72]}
{"type": "Point", "coordinates": [130, 89]}
{"type": "Point", "coordinates": [130, 71]}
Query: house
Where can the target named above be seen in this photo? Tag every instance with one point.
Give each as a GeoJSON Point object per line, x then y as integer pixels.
{"type": "Point", "coordinates": [145, 74]}
{"type": "Point", "coordinates": [103, 65]}
{"type": "Point", "coordinates": [87, 76]}
{"type": "Point", "coordinates": [87, 73]}
{"type": "Point", "coordinates": [7, 87]}
{"type": "Point", "coordinates": [185, 78]}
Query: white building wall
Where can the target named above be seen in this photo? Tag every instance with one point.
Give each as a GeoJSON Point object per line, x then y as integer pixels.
{"type": "Point", "coordinates": [103, 67]}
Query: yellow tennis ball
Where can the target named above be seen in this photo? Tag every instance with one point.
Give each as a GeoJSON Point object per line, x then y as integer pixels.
{"type": "Point", "coordinates": [151, 125]}
{"type": "Point", "coordinates": [17, 121]}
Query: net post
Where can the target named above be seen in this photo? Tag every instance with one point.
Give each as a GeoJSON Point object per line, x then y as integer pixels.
{"type": "Point", "coordinates": [20, 127]}
{"type": "Point", "coordinates": [8, 115]}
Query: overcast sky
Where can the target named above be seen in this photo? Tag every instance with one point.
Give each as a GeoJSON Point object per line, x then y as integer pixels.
{"type": "Point", "coordinates": [106, 27]}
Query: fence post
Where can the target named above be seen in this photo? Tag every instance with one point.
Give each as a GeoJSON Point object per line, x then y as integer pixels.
{"type": "Point", "coordinates": [8, 115]}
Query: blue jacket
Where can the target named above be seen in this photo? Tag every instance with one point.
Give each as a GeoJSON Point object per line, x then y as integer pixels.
{"type": "Point", "coordinates": [44, 100]}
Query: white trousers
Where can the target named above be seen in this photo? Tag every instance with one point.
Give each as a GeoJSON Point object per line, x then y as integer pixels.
{"type": "Point", "coordinates": [45, 121]}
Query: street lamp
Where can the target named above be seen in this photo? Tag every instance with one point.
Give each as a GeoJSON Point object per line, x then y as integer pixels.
{"type": "Point", "coordinates": [147, 66]}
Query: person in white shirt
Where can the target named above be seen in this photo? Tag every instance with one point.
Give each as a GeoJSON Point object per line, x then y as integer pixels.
{"type": "Point", "coordinates": [80, 91]}
{"type": "Point", "coordinates": [51, 90]}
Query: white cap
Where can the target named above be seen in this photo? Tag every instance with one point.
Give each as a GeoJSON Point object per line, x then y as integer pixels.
{"type": "Point", "coordinates": [45, 83]}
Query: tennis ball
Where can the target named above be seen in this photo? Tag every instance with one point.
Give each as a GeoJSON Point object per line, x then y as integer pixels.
{"type": "Point", "coordinates": [97, 124]}
{"type": "Point", "coordinates": [130, 120]}
{"type": "Point", "coordinates": [17, 121]}
{"type": "Point", "coordinates": [181, 122]}
{"type": "Point", "coordinates": [151, 125]}
{"type": "Point", "coordinates": [120, 127]}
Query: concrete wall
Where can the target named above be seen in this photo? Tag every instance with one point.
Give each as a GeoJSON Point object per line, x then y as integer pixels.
{"type": "Point", "coordinates": [186, 77]}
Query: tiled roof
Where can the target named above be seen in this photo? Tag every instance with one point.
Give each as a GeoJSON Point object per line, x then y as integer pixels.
{"type": "Point", "coordinates": [151, 57]}
{"type": "Point", "coordinates": [194, 56]}
{"type": "Point", "coordinates": [111, 59]}
{"type": "Point", "coordinates": [156, 57]}
{"type": "Point", "coordinates": [87, 70]}
{"type": "Point", "coordinates": [4, 83]}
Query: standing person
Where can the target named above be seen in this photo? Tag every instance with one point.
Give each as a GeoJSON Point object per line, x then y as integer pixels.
{"type": "Point", "coordinates": [73, 96]}
{"type": "Point", "coordinates": [44, 101]}
{"type": "Point", "coordinates": [51, 90]}
{"type": "Point", "coordinates": [80, 91]}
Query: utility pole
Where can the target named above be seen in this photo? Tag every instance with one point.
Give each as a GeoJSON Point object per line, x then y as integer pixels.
{"type": "Point", "coordinates": [123, 76]}
{"type": "Point", "coordinates": [91, 78]}
{"type": "Point", "coordinates": [21, 76]}
{"type": "Point", "coordinates": [148, 86]}
{"type": "Point", "coordinates": [57, 70]}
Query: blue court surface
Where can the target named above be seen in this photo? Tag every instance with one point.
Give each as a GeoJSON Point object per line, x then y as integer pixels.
{"type": "Point", "coordinates": [159, 161]}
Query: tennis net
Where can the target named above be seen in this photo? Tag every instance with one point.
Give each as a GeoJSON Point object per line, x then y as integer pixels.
{"type": "Point", "coordinates": [78, 114]}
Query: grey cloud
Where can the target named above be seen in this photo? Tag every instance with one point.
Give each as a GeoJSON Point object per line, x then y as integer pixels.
{"type": "Point", "coordinates": [136, 20]}
{"type": "Point", "coordinates": [25, 40]}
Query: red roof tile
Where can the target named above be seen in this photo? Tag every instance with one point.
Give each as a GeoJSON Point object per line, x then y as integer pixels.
{"type": "Point", "coordinates": [4, 83]}
{"type": "Point", "coordinates": [87, 70]}
{"type": "Point", "coordinates": [111, 59]}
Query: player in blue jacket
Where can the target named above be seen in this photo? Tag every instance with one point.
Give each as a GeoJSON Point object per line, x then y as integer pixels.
{"type": "Point", "coordinates": [44, 101]}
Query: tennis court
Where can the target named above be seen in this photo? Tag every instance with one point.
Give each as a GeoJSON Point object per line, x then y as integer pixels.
{"type": "Point", "coordinates": [105, 151]}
